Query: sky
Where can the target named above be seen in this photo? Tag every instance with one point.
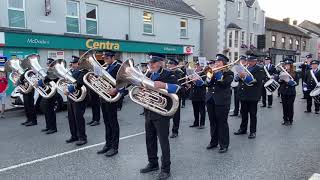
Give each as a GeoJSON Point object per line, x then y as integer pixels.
{"type": "Point", "coordinates": [295, 9]}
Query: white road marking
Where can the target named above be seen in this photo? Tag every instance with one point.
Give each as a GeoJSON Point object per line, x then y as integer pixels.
{"type": "Point", "coordinates": [315, 176]}
{"type": "Point", "coordinates": [62, 154]}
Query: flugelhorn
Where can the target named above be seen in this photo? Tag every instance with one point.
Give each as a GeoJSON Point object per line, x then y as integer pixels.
{"type": "Point", "coordinates": [58, 68]}
{"type": "Point", "coordinates": [101, 83]}
{"type": "Point", "coordinates": [14, 67]}
{"type": "Point", "coordinates": [144, 93]}
{"type": "Point", "coordinates": [37, 73]}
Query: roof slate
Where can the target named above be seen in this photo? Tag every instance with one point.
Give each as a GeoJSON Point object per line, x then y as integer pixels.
{"type": "Point", "coordinates": [280, 26]}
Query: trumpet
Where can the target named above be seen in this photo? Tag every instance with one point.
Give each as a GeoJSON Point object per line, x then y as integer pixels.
{"type": "Point", "coordinates": [58, 68]}
{"type": "Point", "coordinates": [14, 67]}
{"type": "Point", "coordinates": [144, 93]}
{"type": "Point", "coordinates": [102, 84]}
{"type": "Point", "coordinates": [37, 73]}
{"type": "Point", "coordinates": [179, 66]}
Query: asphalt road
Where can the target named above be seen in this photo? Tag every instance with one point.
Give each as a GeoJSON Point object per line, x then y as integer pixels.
{"type": "Point", "coordinates": [278, 152]}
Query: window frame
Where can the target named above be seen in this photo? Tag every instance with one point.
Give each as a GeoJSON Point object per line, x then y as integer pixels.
{"type": "Point", "coordinates": [236, 38]}
{"type": "Point", "coordinates": [283, 42]}
{"type": "Point", "coordinates": [243, 37]}
{"type": "Point", "coordinates": [304, 47]}
{"type": "Point", "coordinates": [17, 9]}
{"type": "Point", "coordinates": [297, 42]}
{"type": "Point", "coordinates": [186, 28]}
{"type": "Point", "coordinates": [90, 19]}
{"type": "Point", "coordinates": [290, 43]}
{"type": "Point", "coordinates": [69, 16]}
{"type": "Point", "coordinates": [274, 41]}
{"type": "Point", "coordinates": [230, 39]}
{"type": "Point", "coordinates": [152, 22]}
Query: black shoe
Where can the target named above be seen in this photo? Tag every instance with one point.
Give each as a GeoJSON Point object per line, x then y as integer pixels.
{"type": "Point", "coordinates": [45, 130]}
{"type": "Point", "coordinates": [71, 140]}
{"type": "Point", "coordinates": [317, 112]}
{"type": "Point", "coordinates": [201, 127]}
{"type": "Point", "coordinates": [233, 115]}
{"type": "Point", "coordinates": [263, 106]}
{"type": "Point", "coordinates": [142, 113]}
{"type": "Point", "coordinates": [51, 131]}
{"type": "Point", "coordinates": [211, 146]}
{"type": "Point", "coordinates": [150, 168]}
{"type": "Point", "coordinates": [192, 126]}
{"type": "Point", "coordinates": [252, 135]}
{"type": "Point", "coordinates": [95, 123]}
{"type": "Point", "coordinates": [269, 106]}
{"type": "Point", "coordinates": [89, 123]}
{"type": "Point", "coordinates": [24, 123]}
{"type": "Point", "coordinates": [111, 152]}
{"type": "Point", "coordinates": [223, 150]}
{"type": "Point", "coordinates": [174, 135]}
{"type": "Point", "coordinates": [307, 111]}
{"type": "Point", "coordinates": [81, 142]}
{"type": "Point", "coordinates": [284, 123]}
{"type": "Point", "coordinates": [104, 150]}
{"type": "Point", "coordinates": [163, 175]}
{"type": "Point", "coordinates": [240, 132]}
{"type": "Point", "coordinates": [31, 124]}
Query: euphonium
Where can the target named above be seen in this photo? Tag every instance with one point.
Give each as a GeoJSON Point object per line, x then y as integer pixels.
{"type": "Point", "coordinates": [16, 71]}
{"type": "Point", "coordinates": [144, 93]}
{"type": "Point", "coordinates": [58, 67]}
{"type": "Point", "coordinates": [100, 84]}
{"type": "Point", "coordinates": [37, 73]}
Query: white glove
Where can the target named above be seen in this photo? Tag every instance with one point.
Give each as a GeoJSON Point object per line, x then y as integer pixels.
{"type": "Point", "coordinates": [97, 71]}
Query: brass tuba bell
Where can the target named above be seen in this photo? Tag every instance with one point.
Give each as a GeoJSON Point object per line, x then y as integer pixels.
{"type": "Point", "coordinates": [143, 91]}
{"type": "Point", "coordinates": [101, 83]}
{"type": "Point", "coordinates": [35, 74]}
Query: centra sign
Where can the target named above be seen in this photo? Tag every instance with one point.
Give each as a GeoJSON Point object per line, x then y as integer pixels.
{"type": "Point", "coordinates": [90, 43]}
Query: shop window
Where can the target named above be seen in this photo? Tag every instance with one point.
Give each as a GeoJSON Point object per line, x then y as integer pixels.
{"type": "Point", "coordinates": [91, 19]}
{"type": "Point", "coordinates": [147, 22]}
{"type": "Point", "coordinates": [16, 13]}
{"type": "Point", "coordinates": [72, 19]}
{"type": "Point", "coordinates": [183, 28]}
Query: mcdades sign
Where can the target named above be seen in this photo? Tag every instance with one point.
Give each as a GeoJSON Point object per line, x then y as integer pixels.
{"type": "Point", "coordinates": [90, 43]}
{"type": "Point", "coordinates": [37, 41]}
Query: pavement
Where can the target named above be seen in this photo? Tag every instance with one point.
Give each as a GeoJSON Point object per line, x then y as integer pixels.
{"type": "Point", "coordinates": [278, 152]}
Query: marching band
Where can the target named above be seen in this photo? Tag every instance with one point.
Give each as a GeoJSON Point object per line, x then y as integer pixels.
{"type": "Point", "coordinates": [159, 89]}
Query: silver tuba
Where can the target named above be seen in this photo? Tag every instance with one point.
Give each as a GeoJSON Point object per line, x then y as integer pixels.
{"type": "Point", "coordinates": [14, 67]}
{"type": "Point", "coordinates": [144, 93]}
{"type": "Point", "coordinates": [101, 83]}
{"type": "Point", "coordinates": [58, 68]}
{"type": "Point", "coordinates": [37, 73]}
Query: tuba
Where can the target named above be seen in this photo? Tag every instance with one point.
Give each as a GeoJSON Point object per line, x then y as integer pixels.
{"type": "Point", "coordinates": [14, 67]}
{"type": "Point", "coordinates": [100, 84]}
{"type": "Point", "coordinates": [58, 68]}
{"type": "Point", "coordinates": [37, 73]}
{"type": "Point", "coordinates": [144, 93]}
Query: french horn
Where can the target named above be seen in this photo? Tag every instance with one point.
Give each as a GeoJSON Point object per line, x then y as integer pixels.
{"type": "Point", "coordinates": [98, 79]}
{"type": "Point", "coordinates": [37, 73]}
{"type": "Point", "coordinates": [143, 91]}
{"type": "Point", "coordinates": [58, 68]}
{"type": "Point", "coordinates": [14, 67]}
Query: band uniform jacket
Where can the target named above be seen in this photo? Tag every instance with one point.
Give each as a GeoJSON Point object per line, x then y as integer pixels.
{"type": "Point", "coordinates": [113, 71]}
{"type": "Point", "coordinates": [286, 89]}
{"type": "Point", "coordinates": [78, 75]}
{"type": "Point", "coordinates": [253, 92]}
{"type": "Point", "coordinates": [311, 83]}
{"type": "Point", "coordinates": [165, 76]}
{"type": "Point", "coordinates": [198, 93]}
{"type": "Point", "coordinates": [220, 91]}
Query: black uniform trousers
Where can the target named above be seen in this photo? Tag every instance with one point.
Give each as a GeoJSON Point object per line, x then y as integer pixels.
{"type": "Point", "coordinates": [288, 107]}
{"type": "Point", "coordinates": [199, 112]}
{"type": "Point", "coordinates": [309, 103]}
{"type": "Point", "coordinates": [158, 129]}
{"type": "Point", "coordinates": [176, 119]}
{"type": "Point", "coordinates": [29, 108]}
{"type": "Point", "coordinates": [110, 116]}
{"type": "Point", "coordinates": [77, 125]}
{"type": "Point", "coordinates": [47, 106]}
{"type": "Point", "coordinates": [95, 105]}
{"type": "Point", "coordinates": [265, 96]}
{"type": "Point", "coordinates": [236, 101]}
{"type": "Point", "coordinates": [249, 108]}
{"type": "Point", "coordinates": [219, 128]}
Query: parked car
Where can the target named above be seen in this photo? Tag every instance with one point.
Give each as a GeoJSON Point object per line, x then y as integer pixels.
{"type": "Point", "coordinates": [17, 100]}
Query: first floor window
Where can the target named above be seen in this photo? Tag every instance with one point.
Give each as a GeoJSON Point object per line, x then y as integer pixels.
{"type": "Point", "coordinates": [183, 28]}
{"type": "Point", "coordinates": [72, 19]}
{"type": "Point", "coordinates": [291, 43]}
{"type": "Point", "coordinates": [147, 22]}
{"type": "Point", "coordinates": [91, 19]}
{"type": "Point", "coordinates": [236, 39]}
{"type": "Point", "coordinates": [243, 38]}
{"type": "Point", "coordinates": [273, 41]}
{"type": "Point", "coordinates": [230, 38]}
{"type": "Point", "coordinates": [16, 13]}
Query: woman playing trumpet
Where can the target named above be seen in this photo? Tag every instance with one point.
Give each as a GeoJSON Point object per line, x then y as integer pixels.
{"type": "Point", "coordinates": [288, 82]}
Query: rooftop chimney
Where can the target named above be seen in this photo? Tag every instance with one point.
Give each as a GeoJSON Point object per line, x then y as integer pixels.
{"type": "Point", "coordinates": [295, 22]}
{"type": "Point", "coordinates": [286, 20]}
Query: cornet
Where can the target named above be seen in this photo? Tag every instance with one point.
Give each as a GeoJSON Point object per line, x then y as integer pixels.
{"type": "Point", "coordinates": [58, 68]}
{"type": "Point", "coordinates": [16, 70]}
{"type": "Point", "coordinates": [101, 84]}
{"type": "Point", "coordinates": [37, 73]}
{"type": "Point", "coordinates": [144, 93]}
